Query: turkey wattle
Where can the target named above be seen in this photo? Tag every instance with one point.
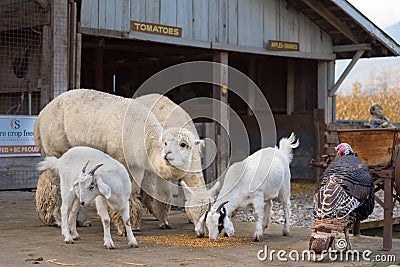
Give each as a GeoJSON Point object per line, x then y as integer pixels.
{"type": "Point", "coordinates": [345, 195]}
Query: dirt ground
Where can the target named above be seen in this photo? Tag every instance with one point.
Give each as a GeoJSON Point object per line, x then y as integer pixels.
{"type": "Point", "coordinates": [24, 241]}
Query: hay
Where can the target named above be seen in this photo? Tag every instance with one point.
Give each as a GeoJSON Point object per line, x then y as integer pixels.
{"type": "Point", "coordinates": [193, 241]}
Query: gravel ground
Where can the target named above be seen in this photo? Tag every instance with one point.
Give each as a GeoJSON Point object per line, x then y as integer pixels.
{"type": "Point", "coordinates": [301, 211]}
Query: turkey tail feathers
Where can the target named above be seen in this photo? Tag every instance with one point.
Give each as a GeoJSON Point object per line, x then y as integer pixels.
{"type": "Point", "coordinates": [287, 144]}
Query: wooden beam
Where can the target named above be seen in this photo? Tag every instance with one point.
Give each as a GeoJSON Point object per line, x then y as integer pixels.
{"type": "Point", "coordinates": [319, 8]}
{"type": "Point", "coordinates": [353, 62]}
{"type": "Point", "coordinates": [351, 48]}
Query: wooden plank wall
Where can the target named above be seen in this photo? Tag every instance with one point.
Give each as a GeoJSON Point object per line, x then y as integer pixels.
{"type": "Point", "coordinates": [240, 23]}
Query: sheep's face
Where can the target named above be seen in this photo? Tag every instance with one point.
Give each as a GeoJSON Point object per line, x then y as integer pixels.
{"type": "Point", "coordinates": [178, 146]}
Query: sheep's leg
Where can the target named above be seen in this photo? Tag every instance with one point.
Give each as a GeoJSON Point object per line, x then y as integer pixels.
{"type": "Point", "coordinates": [102, 210]}
{"type": "Point", "coordinates": [127, 222]}
{"type": "Point", "coordinates": [81, 220]}
{"type": "Point", "coordinates": [284, 197]}
{"type": "Point", "coordinates": [65, 207]}
{"type": "Point", "coordinates": [72, 219]}
{"type": "Point", "coordinates": [258, 206]}
{"type": "Point", "coordinates": [267, 213]}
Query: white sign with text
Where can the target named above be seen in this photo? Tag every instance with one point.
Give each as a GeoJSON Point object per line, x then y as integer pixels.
{"type": "Point", "coordinates": [16, 136]}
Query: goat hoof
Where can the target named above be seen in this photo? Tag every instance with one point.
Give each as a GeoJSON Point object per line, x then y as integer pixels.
{"type": "Point", "coordinates": [109, 246]}
{"type": "Point", "coordinates": [69, 241]}
{"type": "Point", "coordinates": [257, 238]}
{"type": "Point", "coordinates": [165, 226]}
{"type": "Point", "coordinates": [133, 245]}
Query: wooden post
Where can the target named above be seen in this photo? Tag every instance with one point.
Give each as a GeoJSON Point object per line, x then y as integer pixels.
{"type": "Point", "coordinates": [72, 44]}
{"type": "Point", "coordinates": [59, 23]}
{"type": "Point", "coordinates": [220, 112]}
{"type": "Point", "coordinates": [330, 104]}
{"type": "Point", "coordinates": [45, 67]}
{"type": "Point", "coordinates": [211, 170]}
{"type": "Point", "coordinates": [319, 137]}
{"type": "Point", "coordinates": [290, 87]}
{"type": "Point", "coordinates": [388, 214]}
{"type": "Point", "coordinates": [78, 61]}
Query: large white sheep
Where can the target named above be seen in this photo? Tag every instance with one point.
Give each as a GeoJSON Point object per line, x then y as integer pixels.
{"type": "Point", "coordinates": [65, 122]}
{"type": "Point", "coordinates": [253, 182]}
{"type": "Point", "coordinates": [171, 115]}
{"type": "Point", "coordinates": [109, 187]}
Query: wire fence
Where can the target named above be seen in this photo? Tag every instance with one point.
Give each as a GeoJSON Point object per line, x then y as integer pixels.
{"type": "Point", "coordinates": [21, 24]}
{"type": "Point", "coordinates": [22, 69]}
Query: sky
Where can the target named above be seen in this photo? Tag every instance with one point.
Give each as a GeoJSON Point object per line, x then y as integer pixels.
{"type": "Point", "coordinates": [383, 13]}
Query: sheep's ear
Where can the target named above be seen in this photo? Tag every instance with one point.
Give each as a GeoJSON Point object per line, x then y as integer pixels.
{"type": "Point", "coordinates": [189, 194]}
{"type": "Point", "coordinates": [104, 189]}
{"type": "Point", "coordinates": [228, 225]}
{"type": "Point", "coordinates": [200, 143]}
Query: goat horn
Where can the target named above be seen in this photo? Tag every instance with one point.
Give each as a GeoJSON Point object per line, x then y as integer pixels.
{"type": "Point", "coordinates": [220, 206]}
{"type": "Point", "coordinates": [95, 168]}
{"type": "Point", "coordinates": [84, 167]}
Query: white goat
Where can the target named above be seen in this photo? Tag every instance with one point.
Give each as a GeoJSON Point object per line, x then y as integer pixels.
{"type": "Point", "coordinates": [110, 186]}
{"type": "Point", "coordinates": [253, 182]}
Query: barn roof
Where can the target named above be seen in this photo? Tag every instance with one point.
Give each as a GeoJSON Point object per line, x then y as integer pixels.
{"type": "Point", "coordinates": [350, 29]}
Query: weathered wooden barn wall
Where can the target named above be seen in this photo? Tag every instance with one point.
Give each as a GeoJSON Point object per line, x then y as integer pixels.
{"type": "Point", "coordinates": [224, 24]}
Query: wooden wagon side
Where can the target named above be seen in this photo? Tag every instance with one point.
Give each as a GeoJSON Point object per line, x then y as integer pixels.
{"type": "Point", "coordinates": [379, 149]}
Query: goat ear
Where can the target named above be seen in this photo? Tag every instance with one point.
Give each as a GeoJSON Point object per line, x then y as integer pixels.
{"type": "Point", "coordinates": [74, 188]}
{"type": "Point", "coordinates": [214, 190]}
{"type": "Point", "coordinates": [199, 229]}
{"type": "Point", "coordinates": [228, 225]}
{"type": "Point", "coordinates": [189, 194]}
{"type": "Point", "coordinates": [104, 189]}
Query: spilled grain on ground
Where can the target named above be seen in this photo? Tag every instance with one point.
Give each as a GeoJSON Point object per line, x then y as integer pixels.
{"type": "Point", "coordinates": [193, 241]}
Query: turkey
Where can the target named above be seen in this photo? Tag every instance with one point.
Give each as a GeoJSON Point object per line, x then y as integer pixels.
{"type": "Point", "coordinates": [345, 195]}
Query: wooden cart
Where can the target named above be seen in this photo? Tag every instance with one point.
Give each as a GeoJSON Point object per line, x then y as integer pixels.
{"type": "Point", "coordinates": [379, 149]}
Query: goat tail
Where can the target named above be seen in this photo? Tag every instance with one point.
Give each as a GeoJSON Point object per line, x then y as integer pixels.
{"type": "Point", "coordinates": [286, 145]}
{"type": "Point", "coordinates": [47, 163]}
